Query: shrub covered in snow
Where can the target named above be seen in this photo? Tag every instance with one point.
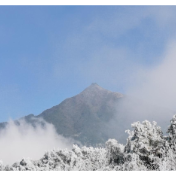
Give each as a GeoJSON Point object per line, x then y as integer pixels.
{"type": "Point", "coordinates": [146, 149]}
{"type": "Point", "coordinates": [147, 141]}
{"type": "Point", "coordinates": [85, 158]}
{"type": "Point", "coordinates": [115, 152]}
{"type": "Point", "coordinates": [172, 132]}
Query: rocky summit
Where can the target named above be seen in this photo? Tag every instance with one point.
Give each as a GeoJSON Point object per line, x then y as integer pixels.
{"type": "Point", "coordinates": [85, 116]}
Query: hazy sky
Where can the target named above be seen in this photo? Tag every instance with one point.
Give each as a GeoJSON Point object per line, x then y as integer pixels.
{"type": "Point", "coordinates": [49, 53]}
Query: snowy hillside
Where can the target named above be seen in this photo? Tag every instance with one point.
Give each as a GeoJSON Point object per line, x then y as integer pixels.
{"type": "Point", "coordinates": [146, 149]}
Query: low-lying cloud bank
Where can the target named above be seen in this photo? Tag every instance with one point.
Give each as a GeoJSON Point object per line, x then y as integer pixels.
{"type": "Point", "coordinates": [23, 140]}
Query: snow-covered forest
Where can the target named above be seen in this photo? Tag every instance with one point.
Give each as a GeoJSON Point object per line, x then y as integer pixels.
{"type": "Point", "coordinates": [146, 149]}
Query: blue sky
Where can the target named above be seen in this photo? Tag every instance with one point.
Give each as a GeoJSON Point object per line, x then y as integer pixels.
{"type": "Point", "coordinates": [49, 53]}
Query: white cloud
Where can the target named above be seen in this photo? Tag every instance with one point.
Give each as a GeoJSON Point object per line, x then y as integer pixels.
{"type": "Point", "coordinates": [151, 92]}
{"type": "Point", "coordinates": [157, 84]}
{"type": "Point", "coordinates": [25, 141]}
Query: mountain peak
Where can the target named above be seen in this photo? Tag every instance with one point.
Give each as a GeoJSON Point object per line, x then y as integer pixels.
{"type": "Point", "coordinates": [94, 84]}
{"type": "Point", "coordinates": [95, 90]}
{"type": "Point", "coordinates": [94, 87]}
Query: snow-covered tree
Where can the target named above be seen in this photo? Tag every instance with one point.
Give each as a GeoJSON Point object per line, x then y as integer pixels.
{"type": "Point", "coordinates": [1, 165]}
{"type": "Point", "coordinates": [115, 152]}
{"type": "Point", "coordinates": [146, 149]}
{"type": "Point", "coordinates": [146, 140]}
{"type": "Point", "coordinates": [172, 132]}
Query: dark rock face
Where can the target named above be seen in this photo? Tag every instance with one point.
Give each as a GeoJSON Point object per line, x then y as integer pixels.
{"type": "Point", "coordinates": [84, 117]}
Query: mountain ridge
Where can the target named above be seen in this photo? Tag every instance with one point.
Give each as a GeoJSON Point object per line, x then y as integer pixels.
{"type": "Point", "coordinates": [96, 114]}
{"type": "Point", "coordinates": [82, 112]}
